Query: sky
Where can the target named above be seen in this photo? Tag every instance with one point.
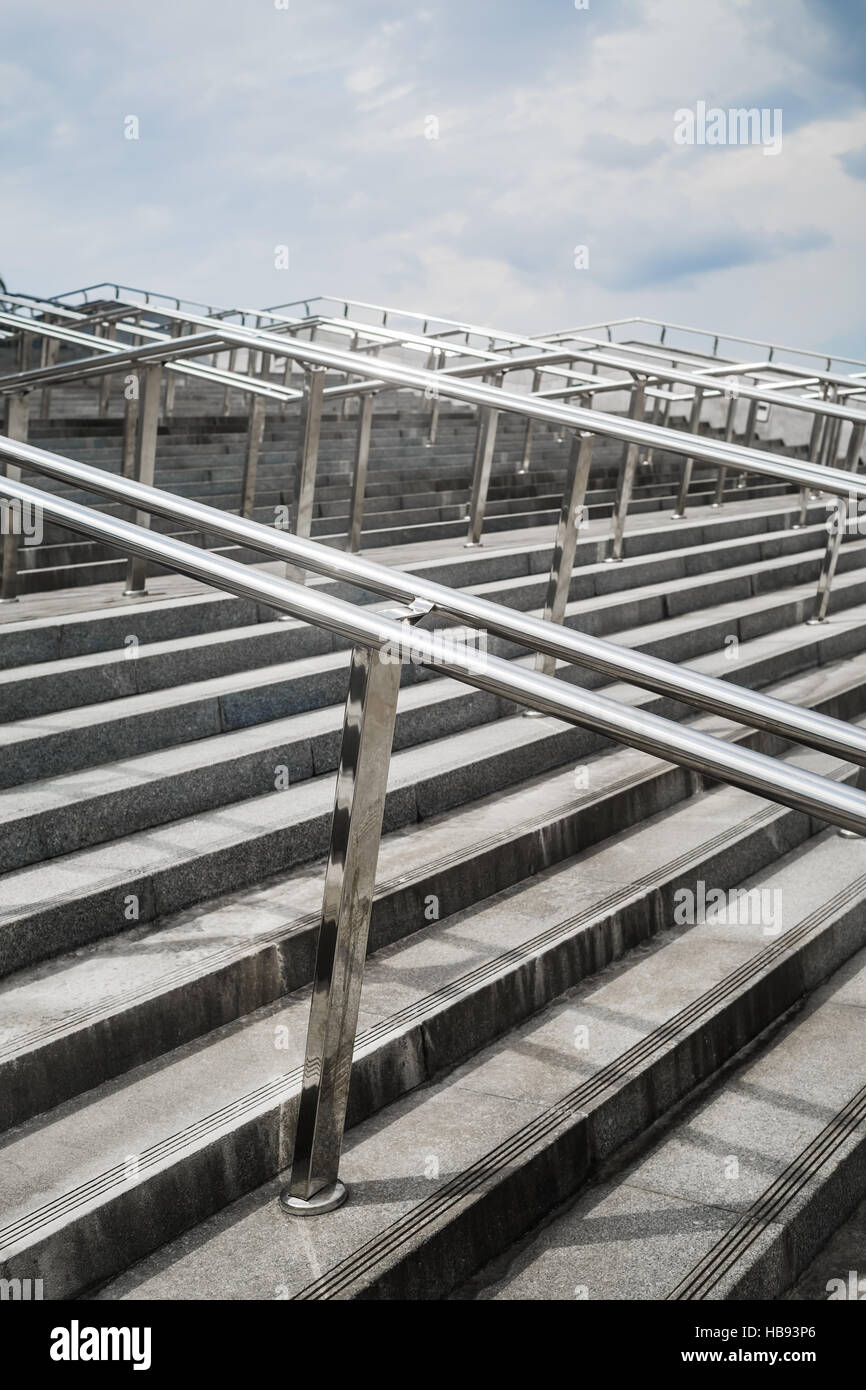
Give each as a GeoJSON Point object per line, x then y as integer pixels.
{"type": "Point", "coordinates": [509, 162]}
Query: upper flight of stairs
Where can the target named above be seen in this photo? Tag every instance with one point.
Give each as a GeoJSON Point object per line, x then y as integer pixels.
{"type": "Point", "coordinates": [416, 491]}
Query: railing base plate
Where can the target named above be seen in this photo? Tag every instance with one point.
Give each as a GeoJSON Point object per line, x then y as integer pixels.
{"type": "Point", "coordinates": [327, 1200]}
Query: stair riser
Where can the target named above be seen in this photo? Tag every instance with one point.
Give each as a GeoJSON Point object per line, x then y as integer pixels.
{"type": "Point", "coordinates": [37, 1080]}
{"type": "Point", "coordinates": [250, 650]}
{"type": "Point", "coordinates": [23, 644]}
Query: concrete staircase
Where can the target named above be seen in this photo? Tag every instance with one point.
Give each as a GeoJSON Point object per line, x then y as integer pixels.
{"type": "Point", "coordinates": [554, 1063]}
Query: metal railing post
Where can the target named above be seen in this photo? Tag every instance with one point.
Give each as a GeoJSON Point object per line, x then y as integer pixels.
{"type": "Point", "coordinates": [485, 443]}
{"type": "Point", "coordinates": [305, 471]}
{"type": "Point", "coordinates": [694, 428]}
{"type": "Point", "coordinates": [627, 474]}
{"type": "Point", "coordinates": [359, 474]}
{"type": "Point", "coordinates": [832, 445]}
{"type": "Point", "coordinates": [529, 433]}
{"type": "Point", "coordinates": [855, 447]}
{"type": "Point", "coordinates": [719, 495]}
{"type": "Point", "coordinates": [143, 471]}
{"type": "Point", "coordinates": [438, 362]}
{"type": "Point", "coordinates": [748, 437]}
{"type": "Point", "coordinates": [227, 397]}
{"type": "Point", "coordinates": [17, 422]}
{"type": "Point", "coordinates": [343, 402]}
{"type": "Point", "coordinates": [50, 357]}
{"type": "Point", "coordinates": [359, 807]}
{"type": "Point", "coordinates": [565, 543]}
{"type": "Point", "coordinates": [130, 435]}
{"type": "Point", "coordinates": [24, 351]}
{"type": "Point", "coordinates": [660, 415]}
{"type": "Point", "coordinates": [813, 450]}
{"type": "Point", "coordinates": [837, 527]}
{"type": "Point", "coordinates": [110, 334]}
{"type": "Point", "coordinates": [255, 434]}
{"type": "Point", "coordinates": [170, 381]}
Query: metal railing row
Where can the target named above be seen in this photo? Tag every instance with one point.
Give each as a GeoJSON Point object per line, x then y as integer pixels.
{"type": "Point", "coordinates": [368, 727]}
{"type": "Point", "coordinates": [498, 340]}
{"type": "Point", "coordinates": [490, 399]}
{"type": "Point", "coordinates": [644, 377]}
{"type": "Point", "coordinates": [717, 337]}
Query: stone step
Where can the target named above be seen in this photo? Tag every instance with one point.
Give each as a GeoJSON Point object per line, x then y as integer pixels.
{"type": "Point", "coordinates": [735, 1199]}
{"type": "Point", "coordinates": [669, 582]}
{"type": "Point", "coordinates": [25, 639]}
{"type": "Point", "coordinates": [189, 1153]}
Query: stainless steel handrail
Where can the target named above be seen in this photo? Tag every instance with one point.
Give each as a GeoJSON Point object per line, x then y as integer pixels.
{"type": "Point", "coordinates": [695, 380]}
{"type": "Point", "coordinates": [239, 381]}
{"type": "Point", "coordinates": [493, 333]}
{"type": "Point", "coordinates": [721, 453]}
{"type": "Point", "coordinates": [720, 337]}
{"type": "Point", "coordinates": [551, 358]}
{"type": "Point", "coordinates": [397, 374]}
{"type": "Point", "coordinates": [550, 362]}
{"type": "Point", "coordinates": [371, 707]}
{"type": "Point", "coordinates": [488, 332]}
{"type": "Point", "coordinates": [150, 296]}
{"type": "Point", "coordinates": [646, 355]}
{"type": "Point", "coordinates": [560, 643]}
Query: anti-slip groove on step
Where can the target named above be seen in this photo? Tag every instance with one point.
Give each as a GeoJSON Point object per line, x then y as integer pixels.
{"type": "Point", "coordinates": [561, 931]}
{"type": "Point", "coordinates": [770, 1207]}
{"type": "Point", "coordinates": [277, 935]}
{"type": "Point", "coordinates": [361, 1264]}
{"type": "Point", "coordinates": [280, 1089]}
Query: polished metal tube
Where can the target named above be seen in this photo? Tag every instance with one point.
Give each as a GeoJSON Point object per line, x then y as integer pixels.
{"type": "Point", "coordinates": [694, 429]}
{"type": "Point", "coordinates": [359, 473]}
{"type": "Point", "coordinates": [308, 458]}
{"type": "Point", "coordinates": [145, 464]}
{"type": "Point", "coordinates": [620, 663]}
{"type": "Point", "coordinates": [17, 425]}
{"type": "Point", "coordinates": [350, 881]}
{"type": "Point", "coordinates": [565, 541]}
{"type": "Point", "coordinates": [627, 474]}
{"type": "Point", "coordinates": [714, 758]}
{"type": "Point", "coordinates": [255, 435]}
{"type": "Point", "coordinates": [485, 444]}
{"type": "Point", "coordinates": [395, 374]}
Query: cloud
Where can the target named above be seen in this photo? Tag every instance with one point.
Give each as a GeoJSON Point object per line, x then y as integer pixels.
{"type": "Point", "coordinates": [854, 162]}
{"type": "Point", "coordinates": [683, 258]}
{"type": "Point", "coordinates": [611, 152]}
{"type": "Point", "coordinates": [554, 127]}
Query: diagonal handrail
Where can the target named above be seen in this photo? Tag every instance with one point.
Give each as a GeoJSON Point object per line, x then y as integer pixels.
{"type": "Point", "coordinates": [563, 644]}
